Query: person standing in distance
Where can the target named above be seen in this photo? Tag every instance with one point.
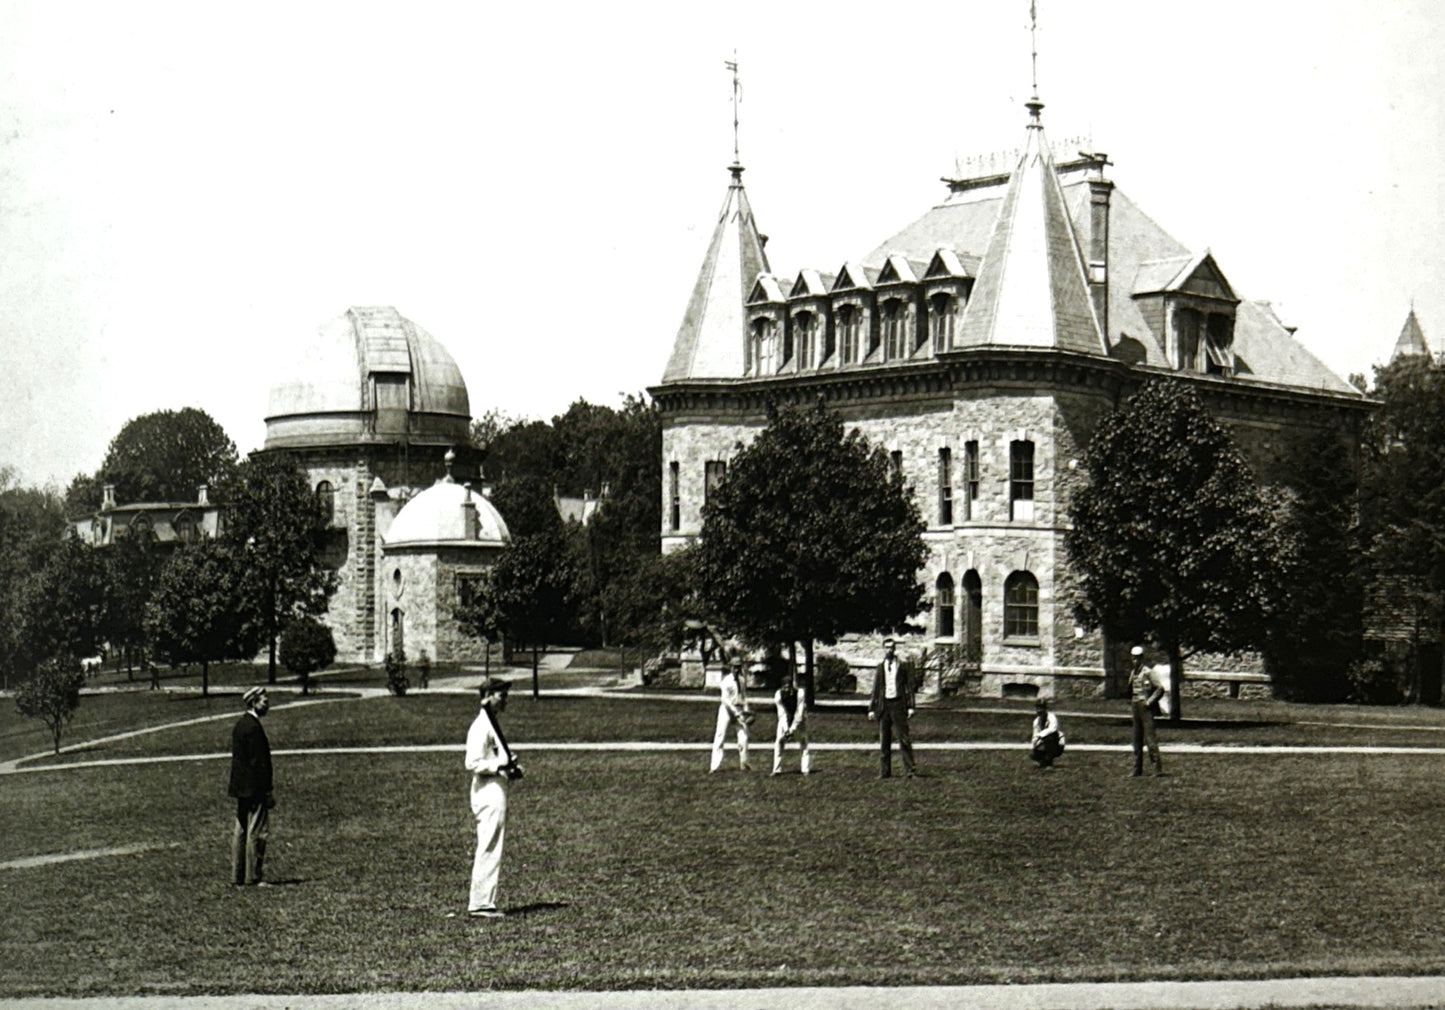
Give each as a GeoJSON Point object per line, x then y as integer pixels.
{"type": "Point", "coordinates": [892, 706]}
{"type": "Point", "coordinates": [492, 765]}
{"type": "Point", "coordinates": [1144, 693]}
{"type": "Point", "coordinates": [732, 708]}
{"type": "Point", "coordinates": [792, 725]}
{"type": "Point", "coordinates": [251, 788]}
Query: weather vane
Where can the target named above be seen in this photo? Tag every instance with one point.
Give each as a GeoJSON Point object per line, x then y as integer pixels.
{"type": "Point", "coordinates": [732, 65]}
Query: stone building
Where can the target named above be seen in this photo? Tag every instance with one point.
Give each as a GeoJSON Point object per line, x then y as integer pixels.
{"type": "Point", "coordinates": [981, 345]}
{"type": "Point", "coordinates": [375, 411]}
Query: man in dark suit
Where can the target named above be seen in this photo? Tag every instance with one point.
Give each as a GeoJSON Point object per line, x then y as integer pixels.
{"type": "Point", "coordinates": [251, 787]}
{"type": "Point", "coordinates": [892, 706]}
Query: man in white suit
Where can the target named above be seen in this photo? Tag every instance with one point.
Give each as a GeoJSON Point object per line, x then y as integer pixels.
{"type": "Point", "coordinates": [732, 708]}
{"type": "Point", "coordinates": [492, 765]}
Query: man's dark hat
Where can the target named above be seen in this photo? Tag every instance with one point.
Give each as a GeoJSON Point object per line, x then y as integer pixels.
{"type": "Point", "coordinates": [493, 685]}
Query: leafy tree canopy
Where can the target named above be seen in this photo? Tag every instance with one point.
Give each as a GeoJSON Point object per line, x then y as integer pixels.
{"type": "Point", "coordinates": [811, 534]}
{"type": "Point", "coordinates": [52, 694]}
{"type": "Point", "coordinates": [1171, 540]}
{"type": "Point", "coordinates": [196, 613]}
{"type": "Point", "coordinates": [273, 523]}
{"type": "Point", "coordinates": [165, 456]}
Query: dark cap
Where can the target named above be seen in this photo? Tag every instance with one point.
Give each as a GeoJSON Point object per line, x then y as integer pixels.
{"type": "Point", "coordinates": [493, 685]}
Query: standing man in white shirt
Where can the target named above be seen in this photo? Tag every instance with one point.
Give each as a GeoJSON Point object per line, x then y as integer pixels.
{"type": "Point", "coordinates": [492, 765]}
{"type": "Point", "coordinates": [732, 708]}
{"type": "Point", "coordinates": [892, 706]}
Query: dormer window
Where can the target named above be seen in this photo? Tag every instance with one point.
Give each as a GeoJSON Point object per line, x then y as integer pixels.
{"type": "Point", "coordinates": [848, 325]}
{"type": "Point", "coordinates": [1219, 344]}
{"type": "Point", "coordinates": [940, 320]}
{"type": "Point", "coordinates": [760, 346]}
{"type": "Point", "coordinates": [805, 330]}
{"type": "Point", "coordinates": [895, 326]}
{"type": "Point", "coordinates": [1186, 340]}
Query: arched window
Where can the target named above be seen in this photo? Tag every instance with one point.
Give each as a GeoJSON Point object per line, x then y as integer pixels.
{"type": "Point", "coordinates": [940, 318]}
{"type": "Point", "coordinates": [787, 355]}
{"type": "Point", "coordinates": [895, 340]}
{"type": "Point", "coordinates": [759, 347]}
{"type": "Point", "coordinates": [185, 528]}
{"type": "Point", "coordinates": [972, 616]}
{"type": "Point", "coordinates": [398, 633]}
{"type": "Point", "coordinates": [142, 528]}
{"type": "Point", "coordinates": [848, 333]}
{"type": "Point", "coordinates": [945, 605]}
{"type": "Point", "coordinates": [325, 502]}
{"type": "Point", "coordinates": [1021, 606]}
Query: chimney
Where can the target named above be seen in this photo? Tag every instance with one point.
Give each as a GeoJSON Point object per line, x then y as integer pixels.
{"type": "Point", "coordinates": [471, 525]}
{"type": "Point", "coordinates": [107, 497]}
{"type": "Point", "coordinates": [202, 493]}
{"type": "Point", "coordinates": [1100, 192]}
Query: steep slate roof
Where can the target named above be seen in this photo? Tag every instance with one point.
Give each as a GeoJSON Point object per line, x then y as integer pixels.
{"type": "Point", "coordinates": [1031, 289]}
{"type": "Point", "coordinates": [1142, 256]}
{"type": "Point", "coordinates": [709, 343]}
{"type": "Point", "coordinates": [1412, 339]}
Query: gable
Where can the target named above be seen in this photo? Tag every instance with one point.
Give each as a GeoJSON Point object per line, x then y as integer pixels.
{"type": "Point", "coordinates": [1208, 281]}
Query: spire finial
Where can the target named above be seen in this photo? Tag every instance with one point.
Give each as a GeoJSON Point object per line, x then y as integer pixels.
{"type": "Point", "coordinates": [732, 64]}
{"type": "Point", "coordinates": [1033, 104]}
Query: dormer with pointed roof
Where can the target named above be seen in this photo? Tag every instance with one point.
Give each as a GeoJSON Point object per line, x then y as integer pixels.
{"type": "Point", "coordinates": [1032, 289]}
{"type": "Point", "coordinates": [711, 342]}
{"type": "Point", "coordinates": [1412, 340]}
{"type": "Point", "coordinates": [1190, 306]}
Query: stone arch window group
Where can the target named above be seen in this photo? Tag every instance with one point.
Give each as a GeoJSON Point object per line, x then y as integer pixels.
{"type": "Point", "coordinates": [1020, 610]}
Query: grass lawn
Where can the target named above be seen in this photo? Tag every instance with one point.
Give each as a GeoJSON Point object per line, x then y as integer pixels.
{"type": "Point", "coordinates": [643, 871]}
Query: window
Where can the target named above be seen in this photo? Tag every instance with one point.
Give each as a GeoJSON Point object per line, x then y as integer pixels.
{"type": "Point", "coordinates": [185, 527]}
{"type": "Point", "coordinates": [873, 338]}
{"type": "Point", "coordinates": [945, 605]}
{"type": "Point", "coordinates": [398, 633]}
{"type": "Point", "coordinates": [940, 318]}
{"type": "Point", "coordinates": [1021, 480]}
{"type": "Point", "coordinates": [972, 617]}
{"type": "Point", "coordinates": [761, 347]}
{"type": "Point", "coordinates": [142, 528]}
{"type": "Point", "coordinates": [674, 499]}
{"type": "Point", "coordinates": [895, 320]}
{"type": "Point", "coordinates": [805, 325]}
{"type": "Point", "coordinates": [895, 463]}
{"type": "Point", "coordinates": [945, 487]}
{"type": "Point", "coordinates": [1186, 330]}
{"type": "Point", "coordinates": [787, 346]}
{"type": "Point", "coordinates": [970, 477]}
{"type": "Point", "coordinates": [1021, 606]}
{"type": "Point", "coordinates": [830, 343]}
{"type": "Point", "coordinates": [325, 502]}
{"type": "Point", "coordinates": [1218, 339]}
{"type": "Point", "coordinates": [848, 333]}
{"type": "Point", "coordinates": [714, 470]}
{"type": "Point", "coordinates": [469, 590]}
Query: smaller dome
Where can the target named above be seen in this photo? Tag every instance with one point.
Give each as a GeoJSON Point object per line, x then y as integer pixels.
{"type": "Point", "coordinates": [440, 515]}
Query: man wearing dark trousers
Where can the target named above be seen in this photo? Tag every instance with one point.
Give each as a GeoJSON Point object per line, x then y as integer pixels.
{"type": "Point", "coordinates": [892, 706]}
{"type": "Point", "coordinates": [251, 787]}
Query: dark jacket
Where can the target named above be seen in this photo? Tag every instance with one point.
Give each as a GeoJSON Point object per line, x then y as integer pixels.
{"type": "Point", "coordinates": [905, 688]}
{"type": "Point", "coordinates": [250, 759]}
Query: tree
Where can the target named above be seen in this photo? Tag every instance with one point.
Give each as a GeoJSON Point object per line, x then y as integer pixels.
{"type": "Point", "coordinates": [1171, 539]}
{"type": "Point", "coordinates": [51, 694]}
{"type": "Point", "coordinates": [197, 614]}
{"type": "Point", "coordinates": [1315, 627]}
{"type": "Point", "coordinates": [273, 523]}
{"type": "Point", "coordinates": [133, 563]}
{"type": "Point", "coordinates": [810, 535]}
{"type": "Point", "coordinates": [307, 645]}
{"type": "Point", "coordinates": [538, 581]}
{"type": "Point", "coordinates": [32, 527]}
{"type": "Point", "coordinates": [68, 615]}
{"type": "Point", "coordinates": [1403, 505]}
{"type": "Point", "coordinates": [165, 456]}
{"type": "Point", "coordinates": [481, 616]}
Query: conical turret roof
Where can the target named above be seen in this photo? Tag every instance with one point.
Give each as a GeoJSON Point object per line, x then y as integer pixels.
{"type": "Point", "coordinates": [710, 341]}
{"type": "Point", "coordinates": [1031, 289]}
{"type": "Point", "coordinates": [1412, 339]}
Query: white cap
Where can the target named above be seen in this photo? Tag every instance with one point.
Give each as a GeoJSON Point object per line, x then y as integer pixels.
{"type": "Point", "coordinates": [1138, 650]}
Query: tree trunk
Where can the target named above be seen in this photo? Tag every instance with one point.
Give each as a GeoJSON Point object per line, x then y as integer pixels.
{"type": "Point", "coordinates": [271, 660]}
{"type": "Point", "coordinates": [205, 679]}
{"type": "Point", "coordinates": [1176, 677]}
{"type": "Point", "coordinates": [536, 692]}
{"type": "Point", "coordinates": [808, 673]}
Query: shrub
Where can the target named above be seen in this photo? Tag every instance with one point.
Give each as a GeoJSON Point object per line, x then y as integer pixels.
{"type": "Point", "coordinates": [833, 675]}
{"type": "Point", "coordinates": [52, 694]}
{"type": "Point", "coordinates": [396, 681]}
{"type": "Point", "coordinates": [307, 646]}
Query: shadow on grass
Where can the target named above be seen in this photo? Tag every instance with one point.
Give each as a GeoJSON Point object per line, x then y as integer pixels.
{"type": "Point", "coordinates": [535, 908]}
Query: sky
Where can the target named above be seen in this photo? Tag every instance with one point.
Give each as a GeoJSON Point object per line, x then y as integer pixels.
{"type": "Point", "coordinates": [189, 191]}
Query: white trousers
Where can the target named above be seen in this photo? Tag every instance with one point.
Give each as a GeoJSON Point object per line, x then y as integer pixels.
{"type": "Point", "coordinates": [800, 737]}
{"type": "Point", "coordinates": [489, 806]}
{"type": "Point", "coordinates": [724, 720]}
